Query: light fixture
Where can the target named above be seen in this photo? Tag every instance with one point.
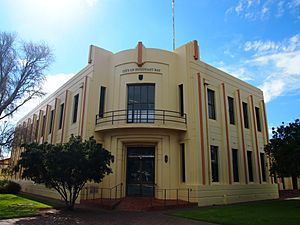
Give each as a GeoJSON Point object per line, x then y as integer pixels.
{"type": "Point", "coordinates": [166, 158]}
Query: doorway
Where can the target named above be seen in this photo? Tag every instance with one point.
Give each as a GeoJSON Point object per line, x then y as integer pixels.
{"type": "Point", "coordinates": [140, 171]}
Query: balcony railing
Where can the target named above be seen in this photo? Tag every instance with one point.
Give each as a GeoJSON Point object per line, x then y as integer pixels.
{"type": "Point", "coordinates": [147, 116]}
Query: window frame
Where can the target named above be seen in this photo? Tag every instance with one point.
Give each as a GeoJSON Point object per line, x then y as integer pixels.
{"type": "Point", "coordinates": [43, 125]}
{"type": "Point", "coordinates": [181, 99]}
{"type": "Point", "coordinates": [61, 115]}
{"type": "Point", "coordinates": [263, 166]}
{"type": "Point", "coordinates": [245, 114]}
{"type": "Point", "coordinates": [235, 164]}
{"type": "Point", "coordinates": [258, 120]}
{"type": "Point", "coordinates": [140, 109]}
{"type": "Point", "coordinates": [102, 96]}
{"type": "Point", "coordinates": [214, 162]}
{"type": "Point", "coordinates": [231, 110]}
{"type": "Point", "coordinates": [75, 108]}
{"type": "Point", "coordinates": [182, 162]}
{"type": "Point", "coordinates": [51, 121]}
{"type": "Point", "coordinates": [250, 166]}
{"type": "Point", "coordinates": [211, 104]}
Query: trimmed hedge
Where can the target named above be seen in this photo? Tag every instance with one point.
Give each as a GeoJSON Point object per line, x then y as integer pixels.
{"type": "Point", "coordinates": [9, 187]}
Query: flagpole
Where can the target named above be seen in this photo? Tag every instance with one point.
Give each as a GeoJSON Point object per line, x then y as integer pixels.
{"type": "Point", "coordinates": [173, 20]}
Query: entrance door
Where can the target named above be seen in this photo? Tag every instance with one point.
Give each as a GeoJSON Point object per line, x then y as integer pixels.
{"type": "Point", "coordinates": [140, 171]}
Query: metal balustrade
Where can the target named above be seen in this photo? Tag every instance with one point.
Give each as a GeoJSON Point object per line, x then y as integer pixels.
{"type": "Point", "coordinates": [138, 116]}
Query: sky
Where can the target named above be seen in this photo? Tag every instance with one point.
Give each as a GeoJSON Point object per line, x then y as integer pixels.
{"type": "Point", "coordinates": [257, 41]}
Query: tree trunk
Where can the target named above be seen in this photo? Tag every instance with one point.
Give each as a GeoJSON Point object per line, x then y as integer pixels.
{"type": "Point", "coordinates": [295, 182]}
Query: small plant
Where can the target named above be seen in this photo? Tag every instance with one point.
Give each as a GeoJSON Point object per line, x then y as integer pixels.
{"type": "Point", "coordinates": [9, 187]}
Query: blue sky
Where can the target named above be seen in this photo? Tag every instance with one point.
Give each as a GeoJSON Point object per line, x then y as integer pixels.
{"type": "Point", "coordinates": [257, 41]}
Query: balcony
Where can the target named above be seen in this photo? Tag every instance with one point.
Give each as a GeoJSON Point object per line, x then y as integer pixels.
{"type": "Point", "coordinates": [141, 118]}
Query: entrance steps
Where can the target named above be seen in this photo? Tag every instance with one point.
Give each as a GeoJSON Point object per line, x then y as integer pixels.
{"type": "Point", "coordinates": [137, 204]}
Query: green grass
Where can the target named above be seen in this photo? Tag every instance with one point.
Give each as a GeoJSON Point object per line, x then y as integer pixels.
{"type": "Point", "coordinates": [275, 212]}
{"type": "Point", "coordinates": [12, 206]}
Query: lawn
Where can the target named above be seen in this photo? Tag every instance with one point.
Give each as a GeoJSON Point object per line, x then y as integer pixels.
{"type": "Point", "coordinates": [12, 206]}
{"type": "Point", "coordinates": [275, 212]}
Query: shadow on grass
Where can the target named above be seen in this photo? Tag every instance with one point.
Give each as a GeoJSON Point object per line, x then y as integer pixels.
{"type": "Point", "coordinates": [55, 203]}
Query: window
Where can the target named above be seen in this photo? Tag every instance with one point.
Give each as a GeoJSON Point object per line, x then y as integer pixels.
{"type": "Point", "coordinates": [75, 108]}
{"type": "Point", "coordinates": [235, 165]}
{"type": "Point", "coordinates": [182, 153]}
{"type": "Point", "coordinates": [51, 121]}
{"type": "Point", "coordinates": [231, 109]}
{"type": "Point", "coordinates": [181, 103]}
{"type": "Point", "coordinates": [36, 130]}
{"type": "Point", "coordinates": [214, 163]}
{"type": "Point", "coordinates": [102, 101]}
{"type": "Point", "coordinates": [61, 115]}
{"type": "Point", "coordinates": [140, 103]}
{"type": "Point", "coordinates": [250, 169]}
{"type": "Point", "coordinates": [263, 166]}
{"type": "Point", "coordinates": [257, 113]}
{"type": "Point", "coordinates": [211, 104]}
{"type": "Point", "coordinates": [43, 126]}
{"type": "Point", "coordinates": [245, 112]}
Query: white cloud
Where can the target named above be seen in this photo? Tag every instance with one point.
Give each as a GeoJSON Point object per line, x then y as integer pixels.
{"type": "Point", "coordinates": [280, 9]}
{"type": "Point", "coordinates": [260, 46]}
{"type": "Point", "coordinates": [256, 9]}
{"type": "Point", "coordinates": [239, 7]}
{"type": "Point", "coordinates": [281, 61]}
{"type": "Point", "coordinates": [272, 89]}
{"type": "Point", "coordinates": [238, 72]}
{"type": "Point", "coordinates": [294, 3]}
{"type": "Point", "coordinates": [52, 83]}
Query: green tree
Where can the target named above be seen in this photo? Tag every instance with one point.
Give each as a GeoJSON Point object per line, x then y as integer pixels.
{"type": "Point", "coordinates": [65, 167]}
{"type": "Point", "coordinates": [284, 151]}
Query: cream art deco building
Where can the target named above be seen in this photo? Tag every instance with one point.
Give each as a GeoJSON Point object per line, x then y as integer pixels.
{"type": "Point", "coordinates": [172, 122]}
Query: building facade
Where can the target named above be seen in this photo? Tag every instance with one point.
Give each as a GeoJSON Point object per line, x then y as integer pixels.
{"type": "Point", "coordinates": [4, 166]}
{"type": "Point", "coordinates": [171, 121]}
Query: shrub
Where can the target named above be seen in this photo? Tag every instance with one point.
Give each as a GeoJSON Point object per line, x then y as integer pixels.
{"type": "Point", "coordinates": [9, 187]}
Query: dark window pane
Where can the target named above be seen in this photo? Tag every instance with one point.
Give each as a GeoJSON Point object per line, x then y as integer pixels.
{"type": "Point", "coordinates": [102, 101]}
{"type": "Point", "coordinates": [250, 169]}
{"type": "Point", "coordinates": [43, 126]}
{"type": "Point", "coordinates": [257, 113]}
{"type": "Point", "coordinates": [61, 115]}
{"type": "Point", "coordinates": [245, 112]}
{"type": "Point", "coordinates": [214, 163]}
{"type": "Point", "coordinates": [211, 104]}
{"type": "Point", "coordinates": [36, 129]}
{"type": "Point", "coordinates": [263, 166]}
{"type": "Point", "coordinates": [182, 153]}
{"type": "Point", "coordinates": [75, 108]}
{"type": "Point", "coordinates": [151, 94]}
{"type": "Point", "coordinates": [137, 94]}
{"type": "Point", "coordinates": [51, 121]}
{"type": "Point", "coordinates": [235, 165]}
{"type": "Point", "coordinates": [144, 93]}
{"type": "Point", "coordinates": [231, 110]}
{"type": "Point", "coordinates": [130, 94]}
{"type": "Point", "coordinates": [181, 102]}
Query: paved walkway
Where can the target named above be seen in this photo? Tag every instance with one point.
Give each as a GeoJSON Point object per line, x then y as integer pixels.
{"type": "Point", "coordinates": [93, 217]}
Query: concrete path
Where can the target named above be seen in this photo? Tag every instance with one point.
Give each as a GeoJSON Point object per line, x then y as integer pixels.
{"type": "Point", "coordinates": [93, 217]}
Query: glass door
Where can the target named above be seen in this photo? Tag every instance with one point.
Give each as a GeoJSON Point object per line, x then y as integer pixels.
{"type": "Point", "coordinates": [140, 171]}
